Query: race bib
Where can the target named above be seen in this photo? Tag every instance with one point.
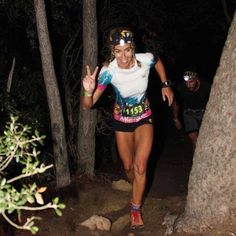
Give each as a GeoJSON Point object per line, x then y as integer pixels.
{"type": "Point", "coordinates": [136, 110]}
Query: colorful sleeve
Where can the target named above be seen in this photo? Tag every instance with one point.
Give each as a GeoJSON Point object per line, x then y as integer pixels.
{"type": "Point", "coordinates": [104, 78]}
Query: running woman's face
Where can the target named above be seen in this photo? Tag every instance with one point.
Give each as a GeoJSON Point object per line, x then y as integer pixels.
{"type": "Point", "coordinates": [124, 56]}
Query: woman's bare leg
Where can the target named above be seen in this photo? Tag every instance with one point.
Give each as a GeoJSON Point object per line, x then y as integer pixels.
{"type": "Point", "coordinates": [125, 145]}
{"type": "Point", "coordinates": [143, 138]}
{"type": "Point", "coordinates": [134, 149]}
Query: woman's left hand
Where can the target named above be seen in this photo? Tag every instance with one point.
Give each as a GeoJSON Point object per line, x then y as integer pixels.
{"type": "Point", "coordinates": [168, 93]}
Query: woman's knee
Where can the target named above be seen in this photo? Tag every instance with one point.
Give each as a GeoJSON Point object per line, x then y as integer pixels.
{"type": "Point", "coordinates": [128, 167]}
{"type": "Point", "coordinates": [140, 168]}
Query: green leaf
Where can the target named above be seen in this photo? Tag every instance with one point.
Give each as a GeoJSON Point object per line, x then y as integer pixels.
{"type": "Point", "coordinates": [2, 194]}
{"type": "Point", "coordinates": [30, 199]}
{"type": "Point", "coordinates": [55, 200]}
{"type": "Point", "coordinates": [34, 229]}
{"type": "Point", "coordinates": [3, 182]}
{"type": "Point", "coordinates": [10, 210]}
{"type": "Point", "coordinates": [36, 133]}
{"type": "Point", "coordinates": [21, 202]}
{"type": "Point", "coordinates": [61, 206]}
{"type": "Point", "coordinates": [3, 205]}
{"type": "Point", "coordinates": [58, 212]}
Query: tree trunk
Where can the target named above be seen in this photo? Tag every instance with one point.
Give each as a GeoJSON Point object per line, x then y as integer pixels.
{"type": "Point", "coordinates": [53, 97]}
{"type": "Point", "coordinates": [211, 200]}
{"type": "Point", "coordinates": [88, 119]}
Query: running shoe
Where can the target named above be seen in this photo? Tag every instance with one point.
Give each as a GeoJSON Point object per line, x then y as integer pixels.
{"type": "Point", "coordinates": [136, 219]}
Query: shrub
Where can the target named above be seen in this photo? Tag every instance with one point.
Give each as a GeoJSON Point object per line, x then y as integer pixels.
{"type": "Point", "coordinates": [19, 144]}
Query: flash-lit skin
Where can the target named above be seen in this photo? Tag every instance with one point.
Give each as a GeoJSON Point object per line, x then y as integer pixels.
{"type": "Point", "coordinates": [134, 147]}
{"type": "Point", "coordinates": [124, 56]}
{"type": "Point", "coordinates": [192, 84]}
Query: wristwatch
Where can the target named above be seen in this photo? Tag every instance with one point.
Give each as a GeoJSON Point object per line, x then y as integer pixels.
{"type": "Point", "coordinates": [166, 83]}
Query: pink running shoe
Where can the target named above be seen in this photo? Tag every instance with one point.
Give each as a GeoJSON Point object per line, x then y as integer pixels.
{"type": "Point", "coordinates": [136, 219]}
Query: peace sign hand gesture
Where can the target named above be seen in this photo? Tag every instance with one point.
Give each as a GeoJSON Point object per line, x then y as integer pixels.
{"type": "Point", "coordinates": [89, 81]}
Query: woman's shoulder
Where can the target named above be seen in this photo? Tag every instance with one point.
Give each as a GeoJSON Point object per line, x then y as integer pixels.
{"type": "Point", "coordinates": [108, 68]}
{"type": "Point", "coordinates": [145, 58]}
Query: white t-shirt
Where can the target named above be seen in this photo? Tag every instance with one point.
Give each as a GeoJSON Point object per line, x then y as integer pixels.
{"type": "Point", "coordinates": [130, 86]}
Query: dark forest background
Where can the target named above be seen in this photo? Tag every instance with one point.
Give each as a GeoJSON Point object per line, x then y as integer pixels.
{"type": "Point", "coordinates": [183, 33]}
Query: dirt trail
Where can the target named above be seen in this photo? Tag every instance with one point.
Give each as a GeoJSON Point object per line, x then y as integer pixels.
{"type": "Point", "coordinates": [84, 198]}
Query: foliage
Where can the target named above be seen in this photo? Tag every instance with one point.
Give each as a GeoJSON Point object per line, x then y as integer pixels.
{"type": "Point", "coordinates": [28, 96]}
{"type": "Point", "coordinates": [27, 99]}
{"type": "Point", "coordinates": [17, 144]}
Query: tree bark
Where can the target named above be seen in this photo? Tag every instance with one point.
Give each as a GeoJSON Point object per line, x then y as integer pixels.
{"type": "Point", "coordinates": [54, 102]}
{"type": "Point", "coordinates": [211, 200]}
{"type": "Point", "coordinates": [88, 119]}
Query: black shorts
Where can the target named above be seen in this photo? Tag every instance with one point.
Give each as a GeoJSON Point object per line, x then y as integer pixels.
{"type": "Point", "coordinates": [192, 120]}
{"type": "Point", "coordinates": [130, 127]}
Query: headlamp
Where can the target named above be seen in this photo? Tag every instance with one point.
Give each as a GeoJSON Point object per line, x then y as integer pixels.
{"type": "Point", "coordinates": [122, 42]}
{"type": "Point", "coordinates": [187, 78]}
{"type": "Point", "coordinates": [189, 75]}
{"type": "Point", "coordinates": [121, 37]}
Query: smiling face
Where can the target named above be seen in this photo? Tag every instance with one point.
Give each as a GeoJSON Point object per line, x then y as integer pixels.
{"type": "Point", "coordinates": [124, 55]}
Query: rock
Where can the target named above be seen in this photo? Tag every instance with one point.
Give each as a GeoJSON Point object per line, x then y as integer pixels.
{"type": "Point", "coordinates": [169, 221]}
{"type": "Point", "coordinates": [97, 222]}
{"type": "Point", "coordinates": [120, 223]}
{"type": "Point", "coordinates": [122, 185]}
